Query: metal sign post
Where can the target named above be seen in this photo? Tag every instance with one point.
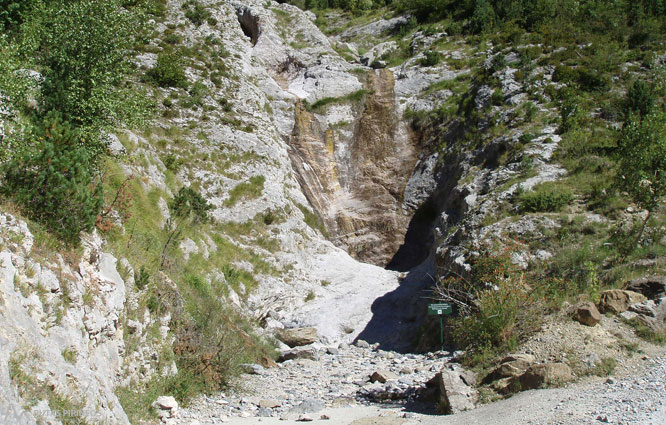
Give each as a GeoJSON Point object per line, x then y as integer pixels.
{"type": "Point", "coordinates": [440, 309]}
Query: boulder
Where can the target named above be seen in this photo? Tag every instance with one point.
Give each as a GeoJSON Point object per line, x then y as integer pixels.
{"type": "Point", "coordinates": [252, 369]}
{"type": "Point", "coordinates": [378, 52]}
{"type": "Point", "coordinates": [383, 376]}
{"type": "Point", "coordinates": [269, 404]}
{"type": "Point", "coordinates": [545, 375]}
{"type": "Point", "coordinates": [167, 407]}
{"type": "Point", "coordinates": [454, 394]}
{"type": "Point", "coordinates": [299, 353]}
{"type": "Point", "coordinates": [297, 336]}
{"type": "Point", "coordinates": [511, 366]}
{"type": "Point", "coordinates": [646, 308]}
{"type": "Point", "coordinates": [652, 287]}
{"type": "Point", "coordinates": [618, 300]}
{"type": "Point", "coordinates": [587, 314]}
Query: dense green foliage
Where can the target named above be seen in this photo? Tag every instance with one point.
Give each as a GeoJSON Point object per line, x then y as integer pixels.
{"type": "Point", "coordinates": [642, 153]}
{"type": "Point", "coordinates": [168, 71]}
{"type": "Point", "coordinates": [80, 73]}
{"type": "Point", "coordinates": [189, 204]}
{"type": "Point", "coordinates": [53, 181]}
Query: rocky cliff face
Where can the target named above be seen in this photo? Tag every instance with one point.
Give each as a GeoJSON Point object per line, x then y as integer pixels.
{"type": "Point", "coordinates": [354, 171]}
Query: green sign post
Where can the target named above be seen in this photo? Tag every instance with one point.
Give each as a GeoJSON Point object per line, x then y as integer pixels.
{"type": "Point", "coordinates": [440, 309]}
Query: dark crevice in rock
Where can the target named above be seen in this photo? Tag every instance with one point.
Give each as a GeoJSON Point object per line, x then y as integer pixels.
{"type": "Point", "coordinates": [418, 239]}
{"type": "Point", "coordinates": [249, 24]}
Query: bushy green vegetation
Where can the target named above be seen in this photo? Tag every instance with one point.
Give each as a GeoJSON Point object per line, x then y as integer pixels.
{"type": "Point", "coordinates": [496, 304]}
{"type": "Point", "coordinates": [168, 71]}
{"type": "Point", "coordinates": [547, 197]}
{"type": "Point", "coordinates": [83, 88]}
{"type": "Point", "coordinates": [53, 182]}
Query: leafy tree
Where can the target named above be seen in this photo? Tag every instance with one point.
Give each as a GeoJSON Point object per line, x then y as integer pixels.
{"type": "Point", "coordinates": [642, 162]}
{"type": "Point", "coordinates": [483, 17]}
{"type": "Point", "coordinates": [14, 12]}
{"type": "Point", "coordinates": [52, 182]}
{"type": "Point", "coordinates": [81, 49]}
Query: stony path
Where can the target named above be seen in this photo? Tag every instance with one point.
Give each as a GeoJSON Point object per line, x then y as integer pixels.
{"type": "Point", "coordinates": [338, 377]}
{"type": "Point", "coordinates": [335, 389]}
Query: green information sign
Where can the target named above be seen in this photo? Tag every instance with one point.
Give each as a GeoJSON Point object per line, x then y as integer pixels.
{"type": "Point", "coordinates": [440, 309]}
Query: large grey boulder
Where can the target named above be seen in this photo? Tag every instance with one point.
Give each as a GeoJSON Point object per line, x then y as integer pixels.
{"type": "Point", "coordinates": [455, 395]}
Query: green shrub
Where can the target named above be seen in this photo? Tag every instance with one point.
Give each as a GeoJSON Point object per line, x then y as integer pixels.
{"type": "Point", "coordinates": [640, 98]}
{"type": "Point", "coordinates": [546, 197]}
{"type": "Point", "coordinates": [495, 306]}
{"type": "Point", "coordinates": [168, 71]}
{"type": "Point", "coordinates": [432, 58]}
{"type": "Point", "coordinates": [53, 182]}
{"type": "Point", "coordinates": [189, 204]}
{"type": "Point", "coordinates": [196, 13]}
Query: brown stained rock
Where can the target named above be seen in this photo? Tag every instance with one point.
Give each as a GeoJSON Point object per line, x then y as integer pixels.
{"type": "Point", "coordinates": [618, 300]}
{"type": "Point", "coordinates": [547, 374]}
{"type": "Point", "coordinates": [298, 336]}
{"type": "Point", "coordinates": [299, 353]}
{"type": "Point", "coordinates": [511, 366]}
{"type": "Point", "coordinates": [383, 376]}
{"type": "Point", "coordinates": [587, 314]}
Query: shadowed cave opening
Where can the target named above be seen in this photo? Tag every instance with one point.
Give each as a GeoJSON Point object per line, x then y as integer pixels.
{"type": "Point", "coordinates": [249, 25]}
{"type": "Point", "coordinates": [418, 239]}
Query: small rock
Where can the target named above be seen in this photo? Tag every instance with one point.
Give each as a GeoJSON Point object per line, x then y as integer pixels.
{"type": "Point", "coordinates": [264, 412]}
{"type": "Point", "coordinates": [304, 418]}
{"type": "Point", "coordinates": [383, 376]}
{"type": "Point", "coordinates": [324, 417]}
{"type": "Point", "coordinates": [253, 369]}
{"type": "Point", "coordinates": [299, 354]}
{"type": "Point", "coordinates": [298, 336]}
{"type": "Point", "coordinates": [332, 350]}
{"type": "Point", "coordinates": [166, 403]}
{"type": "Point", "coordinates": [587, 314]}
{"type": "Point", "coordinates": [362, 344]}
{"type": "Point", "coordinates": [269, 404]}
